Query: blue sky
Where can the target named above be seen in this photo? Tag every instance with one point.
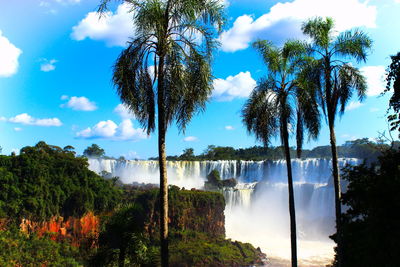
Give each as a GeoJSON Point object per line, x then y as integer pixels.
{"type": "Point", "coordinates": [56, 62]}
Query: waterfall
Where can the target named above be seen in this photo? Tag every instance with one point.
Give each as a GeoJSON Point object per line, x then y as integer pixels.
{"type": "Point", "coordinates": [257, 208]}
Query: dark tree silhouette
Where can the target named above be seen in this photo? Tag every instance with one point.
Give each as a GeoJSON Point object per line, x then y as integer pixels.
{"type": "Point", "coordinates": [335, 81]}
{"type": "Point", "coordinates": [279, 101]}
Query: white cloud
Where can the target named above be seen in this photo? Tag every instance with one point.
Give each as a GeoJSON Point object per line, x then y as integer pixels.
{"type": "Point", "coordinates": [17, 129]}
{"type": "Point", "coordinates": [113, 28]}
{"type": "Point", "coordinates": [375, 76]}
{"type": "Point", "coordinates": [374, 109]}
{"type": "Point", "coordinates": [124, 112]}
{"type": "Point", "coordinates": [48, 65]}
{"type": "Point", "coordinates": [64, 97]}
{"type": "Point", "coordinates": [3, 118]}
{"type": "Point", "coordinates": [238, 86]}
{"type": "Point", "coordinates": [190, 139]}
{"type": "Point", "coordinates": [284, 21]}
{"type": "Point", "coordinates": [9, 54]}
{"type": "Point", "coordinates": [353, 105]}
{"type": "Point", "coordinates": [110, 130]}
{"type": "Point", "coordinates": [27, 119]}
{"type": "Point", "coordinates": [79, 103]}
{"type": "Point", "coordinates": [229, 128]}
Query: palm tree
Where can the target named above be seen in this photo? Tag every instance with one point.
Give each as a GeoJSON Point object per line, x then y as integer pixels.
{"type": "Point", "coordinates": [165, 69]}
{"type": "Point", "coordinates": [335, 81]}
{"type": "Point", "coordinates": [279, 101]}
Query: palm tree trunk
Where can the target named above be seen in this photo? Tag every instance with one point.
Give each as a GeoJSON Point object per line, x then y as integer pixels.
{"type": "Point", "coordinates": [163, 166]}
{"type": "Point", "coordinates": [292, 212]}
{"type": "Point", "coordinates": [336, 182]}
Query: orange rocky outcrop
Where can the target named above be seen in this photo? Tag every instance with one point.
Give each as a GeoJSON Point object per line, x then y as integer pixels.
{"type": "Point", "coordinates": [79, 231]}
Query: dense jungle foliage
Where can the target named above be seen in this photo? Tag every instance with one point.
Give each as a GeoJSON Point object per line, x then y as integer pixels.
{"type": "Point", "coordinates": [45, 180]}
{"type": "Point", "coordinates": [371, 223]}
{"type": "Point", "coordinates": [19, 249]}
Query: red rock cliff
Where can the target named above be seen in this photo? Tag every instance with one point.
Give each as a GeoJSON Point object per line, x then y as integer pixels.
{"type": "Point", "coordinates": [79, 231]}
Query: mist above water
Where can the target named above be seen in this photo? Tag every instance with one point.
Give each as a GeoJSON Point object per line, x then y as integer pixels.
{"type": "Point", "coordinates": [257, 208]}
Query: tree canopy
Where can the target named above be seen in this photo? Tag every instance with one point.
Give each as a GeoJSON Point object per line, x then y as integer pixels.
{"type": "Point", "coordinates": [393, 81]}
{"type": "Point", "coordinates": [371, 222]}
{"type": "Point", "coordinates": [45, 180]}
{"type": "Point", "coordinates": [93, 151]}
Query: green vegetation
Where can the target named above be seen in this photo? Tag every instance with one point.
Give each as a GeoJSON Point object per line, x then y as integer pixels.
{"type": "Point", "coordinates": [94, 151]}
{"type": "Point", "coordinates": [393, 79]}
{"type": "Point", "coordinates": [45, 180]}
{"type": "Point", "coordinates": [371, 230]}
{"type": "Point", "coordinates": [19, 249]}
{"type": "Point", "coordinates": [190, 248]}
{"type": "Point", "coordinates": [360, 148]}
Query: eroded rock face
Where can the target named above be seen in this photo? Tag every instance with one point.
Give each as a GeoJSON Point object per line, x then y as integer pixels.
{"type": "Point", "coordinates": [79, 231]}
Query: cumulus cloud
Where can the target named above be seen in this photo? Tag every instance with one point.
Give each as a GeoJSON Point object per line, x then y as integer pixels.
{"type": "Point", "coordinates": [17, 129]}
{"type": "Point", "coordinates": [9, 55]}
{"type": "Point", "coordinates": [48, 65]}
{"type": "Point", "coordinates": [110, 130]}
{"type": "Point", "coordinates": [124, 112]}
{"type": "Point", "coordinates": [284, 21]}
{"type": "Point", "coordinates": [229, 128]}
{"type": "Point", "coordinates": [375, 76]}
{"type": "Point", "coordinates": [353, 105]}
{"type": "Point", "coordinates": [190, 139]}
{"type": "Point", "coordinates": [238, 86]}
{"type": "Point", "coordinates": [79, 103]}
{"type": "Point", "coordinates": [27, 119]}
{"type": "Point", "coordinates": [112, 28]}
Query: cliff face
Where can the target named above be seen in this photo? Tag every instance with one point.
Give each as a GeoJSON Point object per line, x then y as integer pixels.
{"type": "Point", "coordinates": [188, 210]}
{"type": "Point", "coordinates": [79, 231]}
{"type": "Point", "coordinates": [198, 211]}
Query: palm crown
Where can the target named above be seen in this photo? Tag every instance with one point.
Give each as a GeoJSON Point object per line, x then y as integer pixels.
{"type": "Point", "coordinates": [335, 79]}
{"type": "Point", "coordinates": [279, 98]}
{"type": "Point", "coordinates": [181, 34]}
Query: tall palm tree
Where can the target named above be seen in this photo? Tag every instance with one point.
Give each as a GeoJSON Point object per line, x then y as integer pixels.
{"type": "Point", "coordinates": [174, 38]}
{"type": "Point", "coordinates": [279, 101]}
{"type": "Point", "coordinates": [335, 81]}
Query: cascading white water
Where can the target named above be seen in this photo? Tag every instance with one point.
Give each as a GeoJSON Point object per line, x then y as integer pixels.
{"type": "Point", "coordinates": [257, 208]}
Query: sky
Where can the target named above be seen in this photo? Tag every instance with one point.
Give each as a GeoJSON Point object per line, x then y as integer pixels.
{"type": "Point", "coordinates": [56, 59]}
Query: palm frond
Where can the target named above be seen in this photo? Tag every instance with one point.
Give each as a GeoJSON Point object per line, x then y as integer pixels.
{"type": "Point", "coordinates": [350, 78]}
{"type": "Point", "coordinates": [134, 84]}
{"type": "Point", "coordinates": [320, 30]}
{"type": "Point", "coordinates": [259, 114]}
{"type": "Point", "coordinates": [353, 44]}
{"type": "Point", "coordinates": [270, 54]}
